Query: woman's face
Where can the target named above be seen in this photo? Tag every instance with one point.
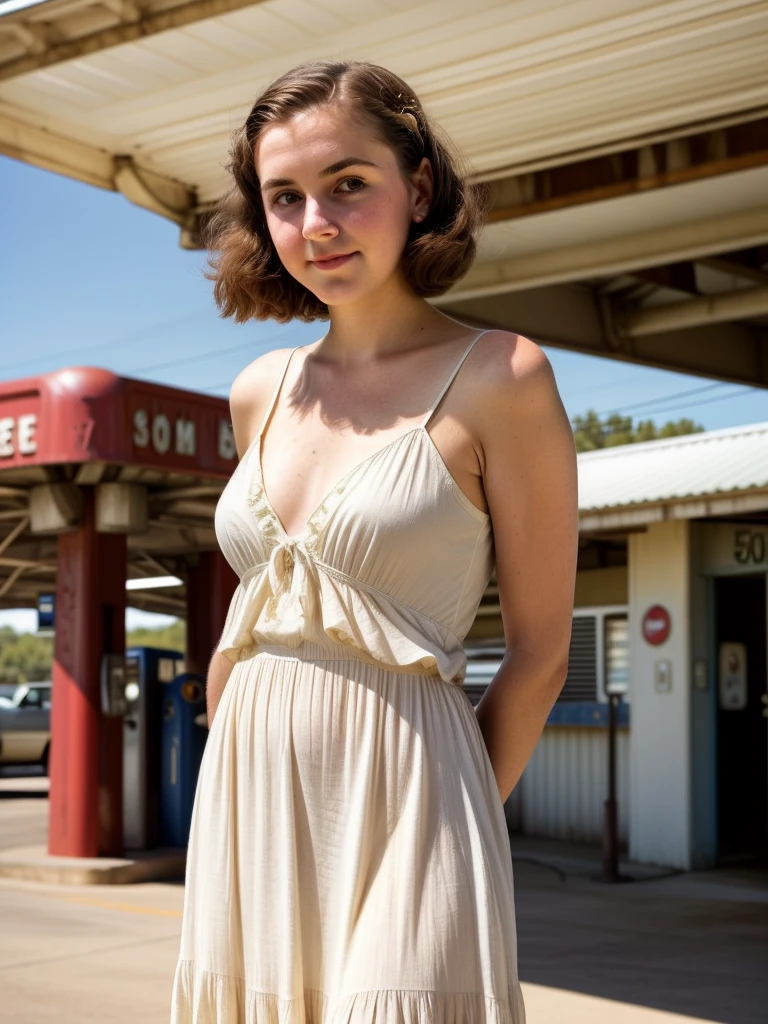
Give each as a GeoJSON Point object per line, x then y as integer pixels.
{"type": "Point", "coordinates": [337, 205]}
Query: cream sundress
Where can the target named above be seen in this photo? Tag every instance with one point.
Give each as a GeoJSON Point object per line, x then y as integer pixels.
{"type": "Point", "coordinates": [348, 858]}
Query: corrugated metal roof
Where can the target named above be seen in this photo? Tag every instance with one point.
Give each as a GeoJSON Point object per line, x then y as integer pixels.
{"type": "Point", "coordinates": [718, 462]}
{"type": "Point", "coordinates": [512, 83]}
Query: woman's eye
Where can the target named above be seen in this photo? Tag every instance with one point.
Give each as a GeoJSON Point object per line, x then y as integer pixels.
{"type": "Point", "coordinates": [286, 198]}
{"type": "Point", "coordinates": [351, 185]}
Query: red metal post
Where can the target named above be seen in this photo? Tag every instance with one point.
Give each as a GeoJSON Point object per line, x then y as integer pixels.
{"type": "Point", "coordinates": [86, 759]}
{"type": "Point", "coordinates": [210, 585]}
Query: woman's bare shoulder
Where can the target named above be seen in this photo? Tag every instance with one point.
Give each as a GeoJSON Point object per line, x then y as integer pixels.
{"type": "Point", "coordinates": [516, 408]}
{"type": "Point", "coordinates": [511, 373]}
{"type": "Point", "coordinates": [250, 393]}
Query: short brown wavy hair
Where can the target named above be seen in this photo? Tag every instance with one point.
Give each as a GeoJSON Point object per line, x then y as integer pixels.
{"type": "Point", "coordinates": [250, 281]}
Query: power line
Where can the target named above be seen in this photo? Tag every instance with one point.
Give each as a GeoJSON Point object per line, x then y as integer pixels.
{"type": "Point", "coordinates": [704, 401]}
{"type": "Point", "coordinates": [184, 360]}
{"type": "Point", "coordinates": [662, 399]}
{"type": "Point", "coordinates": [168, 364]}
{"type": "Point", "coordinates": [121, 343]}
{"type": "Point", "coordinates": [739, 393]}
{"type": "Point", "coordinates": [592, 388]}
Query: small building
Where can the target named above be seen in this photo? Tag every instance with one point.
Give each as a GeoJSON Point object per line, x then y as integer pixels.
{"type": "Point", "coordinates": [670, 607]}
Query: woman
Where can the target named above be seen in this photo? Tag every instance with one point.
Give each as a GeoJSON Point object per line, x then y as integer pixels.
{"type": "Point", "coordinates": [348, 857]}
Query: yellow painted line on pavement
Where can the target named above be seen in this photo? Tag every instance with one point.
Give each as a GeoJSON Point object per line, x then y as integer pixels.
{"type": "Point", "coordinates": [128, 908]}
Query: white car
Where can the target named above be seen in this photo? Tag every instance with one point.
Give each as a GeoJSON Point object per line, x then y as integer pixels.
{"type": "Point", "coordinates": [25, 725]}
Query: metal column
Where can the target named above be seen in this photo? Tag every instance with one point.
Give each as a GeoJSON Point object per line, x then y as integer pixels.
{"type": "Point", "coordinates": [86, 760]}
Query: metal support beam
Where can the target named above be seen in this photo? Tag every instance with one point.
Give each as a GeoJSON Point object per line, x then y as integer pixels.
{"type": "Point", "coordinates": [157, 567]}
{"type": "Point", "coordinates": [10, 580]}
{"type": "Point", "coordinates": [615, 255]}
{"type": "Point", "coordinates": [687, 157]}
{"type": "Point", "coordinates": [708, 309]}
{"type": "Point", "coordinates": [25, 563]}
{"type": "Point", "coordinates": [183, 493]}
{"type": "Point", "coordinates": [571, 317]}
{"type": "Point", "coordinates": [153, 192]}
{"type": "Point", "coordinates": [728, 265]}
{"type": "Point", "coordinates": [55, 153]}
{"type": "Point", "coordinates": [33, 38]}
{"type": "Point", "coordinates": [126, 29]}
{"type": "Point", "coordinates": [17, 530]}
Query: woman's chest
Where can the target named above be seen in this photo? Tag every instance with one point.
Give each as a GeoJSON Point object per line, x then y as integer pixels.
{"type": "Point", "coordinates": [300, 464]}
{"type": "Point", "coordinates": [398, 504]}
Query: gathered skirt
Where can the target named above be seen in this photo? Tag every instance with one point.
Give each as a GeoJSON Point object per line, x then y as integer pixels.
{"type": "Point", "coordinates": [348, 858]}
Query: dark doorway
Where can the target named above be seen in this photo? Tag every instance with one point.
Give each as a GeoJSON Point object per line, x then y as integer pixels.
{"type": "Point", "coordinates": [742, 726]}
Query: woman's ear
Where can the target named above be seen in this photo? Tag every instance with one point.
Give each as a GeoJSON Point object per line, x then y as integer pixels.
{"type": "Point", "coordinates": [423, 184]}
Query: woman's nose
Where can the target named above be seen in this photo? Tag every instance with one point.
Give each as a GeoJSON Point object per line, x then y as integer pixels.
{"type": "Point", "coordinates": [317, 223]}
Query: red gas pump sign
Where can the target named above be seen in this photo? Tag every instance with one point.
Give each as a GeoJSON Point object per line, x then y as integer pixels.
{"type": "Point", "coordinates": [656, 625]}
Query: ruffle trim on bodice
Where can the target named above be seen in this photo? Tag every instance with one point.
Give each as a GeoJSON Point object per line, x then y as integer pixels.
{"type": "Point", "coordinates": [294, 598]}
{"type": "Point", "coordinates": [209, 998]}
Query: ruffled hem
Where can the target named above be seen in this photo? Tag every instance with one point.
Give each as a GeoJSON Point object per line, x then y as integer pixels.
{"type": "Point", "coordinates": [201, 997]}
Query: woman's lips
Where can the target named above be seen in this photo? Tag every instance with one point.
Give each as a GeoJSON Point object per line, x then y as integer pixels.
{"type": "Point", "coordinates": [332, 262]}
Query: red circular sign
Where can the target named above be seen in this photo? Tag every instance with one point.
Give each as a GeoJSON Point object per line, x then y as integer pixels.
{"type": "Point", "coordinates": [656, 625]}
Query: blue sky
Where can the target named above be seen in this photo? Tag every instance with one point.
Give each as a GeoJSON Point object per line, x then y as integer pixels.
{"type": "Point", "coordinates": [89, 279]}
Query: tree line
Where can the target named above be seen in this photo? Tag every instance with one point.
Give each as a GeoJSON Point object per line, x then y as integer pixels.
{"type": "Point", "coordinates": [28, 658]}
{"type": "Point", "coordinates": [590, 432]}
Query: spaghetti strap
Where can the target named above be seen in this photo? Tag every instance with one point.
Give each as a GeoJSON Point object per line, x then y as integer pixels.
{"type": "Point", "coordinates": [452, 377]}
{"type": "Point", "coordinates": [276, 392]}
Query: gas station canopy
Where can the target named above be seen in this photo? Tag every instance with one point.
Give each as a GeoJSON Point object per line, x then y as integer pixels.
{"type": "Point", "coordinates": [626, 142]}
{"type": "Point", "coordinates": [154, 458]}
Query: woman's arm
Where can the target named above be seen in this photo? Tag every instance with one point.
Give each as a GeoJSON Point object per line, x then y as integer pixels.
{"type": "Point", "coordinates": [219, 671]}
{"type": "Point", "coordinates": [248, 399]}
{"type": "Point", "coordinates": [529, 475]}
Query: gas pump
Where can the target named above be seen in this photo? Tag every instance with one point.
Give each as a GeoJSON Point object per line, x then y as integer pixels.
{"type": "Point", "coordinates": [148, 670]}
{"type": "Point", "coordinates": [184, 735]}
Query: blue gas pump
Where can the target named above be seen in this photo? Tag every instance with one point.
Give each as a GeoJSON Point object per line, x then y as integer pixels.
{"type": "Point", "coordinates": [148, 671]}
{"type": "Point", "coordinates": [184, 732]}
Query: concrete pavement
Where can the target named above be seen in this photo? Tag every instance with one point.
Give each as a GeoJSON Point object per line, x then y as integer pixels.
{"type": "Point", "coordinates": [695, 945]}
{"type": "Point", "coordinates": [686, 948]}
{"type": "Point", "coordinates": [23, 807]}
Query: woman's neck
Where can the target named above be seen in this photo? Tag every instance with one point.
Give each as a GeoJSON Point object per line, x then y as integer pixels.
{"type": "Point", "coordinates": [389, 322]}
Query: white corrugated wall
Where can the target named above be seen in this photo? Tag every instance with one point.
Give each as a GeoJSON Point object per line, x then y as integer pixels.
{"type": "Point", "coordinates": [562, 791]}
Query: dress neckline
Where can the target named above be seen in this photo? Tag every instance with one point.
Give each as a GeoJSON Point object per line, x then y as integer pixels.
{"type": "Point", "coordinates": [420, 428]}
{"type": "Point", "coordinates": [341, 483]}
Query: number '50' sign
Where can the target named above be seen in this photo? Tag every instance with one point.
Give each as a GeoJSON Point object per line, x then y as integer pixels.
{"type": "Point", "coordinates": [749, 546]}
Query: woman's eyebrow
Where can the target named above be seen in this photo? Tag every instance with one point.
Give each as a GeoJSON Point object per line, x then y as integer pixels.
{"type": "Point", "coordinates": [341, 165]}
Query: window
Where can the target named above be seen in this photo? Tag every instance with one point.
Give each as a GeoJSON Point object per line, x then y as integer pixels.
{"type": "Point", "coordinates": [616, 647]}
{"type": "Point", "coordinates": [598, 659]}
{"type": "Point", "coordinates": [581, 682]}
{"type": "Point", "coordinates": [598, 662]}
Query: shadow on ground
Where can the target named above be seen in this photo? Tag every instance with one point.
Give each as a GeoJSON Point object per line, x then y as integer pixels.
{"type": "Point", "coordinates": [693, 944]}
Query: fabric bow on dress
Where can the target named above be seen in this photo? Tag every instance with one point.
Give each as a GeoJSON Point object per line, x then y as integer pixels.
{"type": "Point", "coordinates": [293, 583]}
